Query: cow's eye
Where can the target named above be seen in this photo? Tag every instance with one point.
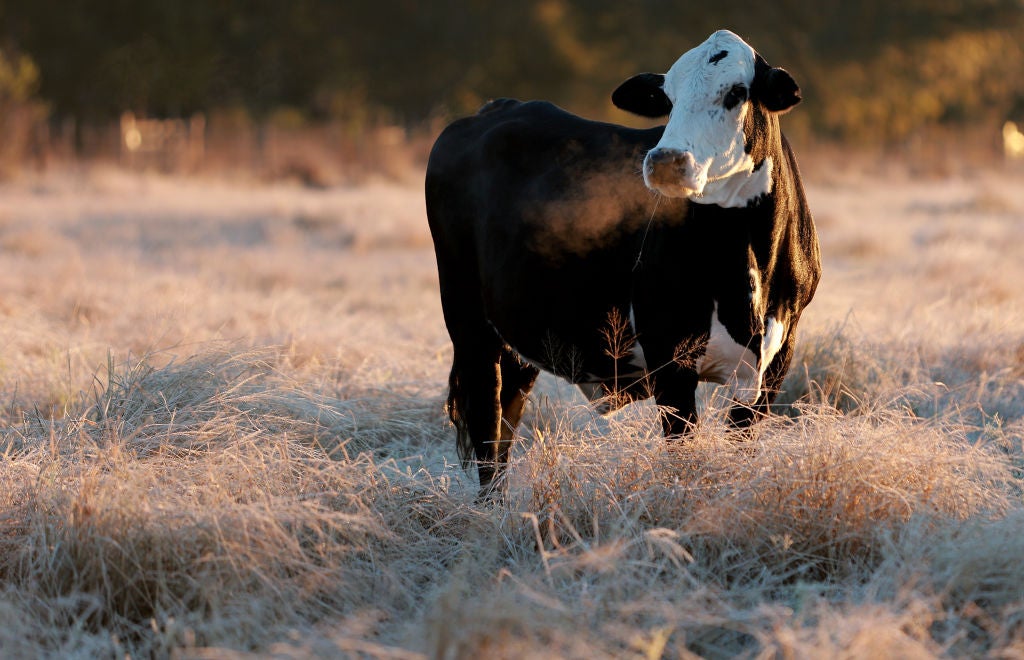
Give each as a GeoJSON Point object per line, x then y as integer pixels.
{"type": "Point", "coordinates": [735, 96]}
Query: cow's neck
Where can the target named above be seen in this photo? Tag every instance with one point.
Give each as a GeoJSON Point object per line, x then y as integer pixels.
{"type": "Point", "coordinates": [740, 189]}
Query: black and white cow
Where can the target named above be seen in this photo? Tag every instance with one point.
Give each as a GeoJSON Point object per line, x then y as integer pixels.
{"type": "Point", "coordinates": [554, 253]}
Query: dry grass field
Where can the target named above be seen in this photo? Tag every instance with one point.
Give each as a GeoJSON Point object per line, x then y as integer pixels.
{"type": "Point", "coordinates": [221, 435]}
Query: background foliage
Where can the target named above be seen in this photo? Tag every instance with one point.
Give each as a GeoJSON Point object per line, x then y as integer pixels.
{"type": "Point", "coordinates": [871, 70]}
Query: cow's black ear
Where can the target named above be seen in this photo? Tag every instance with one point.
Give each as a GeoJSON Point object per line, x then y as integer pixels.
{"type": "Point", "coordinates": [643, 95]}
{"type": "Point", "coordinates": [774, 88]}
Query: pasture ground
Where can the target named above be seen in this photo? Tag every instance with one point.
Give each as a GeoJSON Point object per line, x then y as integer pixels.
{"type": "Point", "coordinates": [221, 435]}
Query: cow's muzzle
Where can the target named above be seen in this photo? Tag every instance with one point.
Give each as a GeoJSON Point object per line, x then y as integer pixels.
{"type": "Point", "coordinates": [674, 172]}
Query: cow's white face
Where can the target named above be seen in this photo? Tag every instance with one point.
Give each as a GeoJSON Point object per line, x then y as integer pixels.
{"type": "Point", "coordinates": [704, 139]}
{"type": "Point", "coordinates": [716, 95]}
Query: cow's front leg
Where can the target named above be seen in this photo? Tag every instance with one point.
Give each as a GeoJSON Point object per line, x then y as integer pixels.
{"type": "Point", "coordinates": [742, 416]}
{"type": "Point", "coordinates": [675, 391]}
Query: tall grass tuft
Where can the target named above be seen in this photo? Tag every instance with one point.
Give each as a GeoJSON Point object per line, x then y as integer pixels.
{"type": "Point", "coordinates": [185, 494]}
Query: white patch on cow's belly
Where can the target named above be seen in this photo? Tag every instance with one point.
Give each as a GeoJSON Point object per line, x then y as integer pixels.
{"type": "Point", "coordinates": [729, 363]}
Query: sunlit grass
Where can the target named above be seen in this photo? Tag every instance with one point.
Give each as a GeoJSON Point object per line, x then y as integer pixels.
{"type": "Point", "coordinates": [221, 431]}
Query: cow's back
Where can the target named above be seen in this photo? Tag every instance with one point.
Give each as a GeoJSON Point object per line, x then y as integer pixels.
{"type": "Point", "coordinates": [537, 216]}
{"type": "Point", "coordinates": [517, 159]}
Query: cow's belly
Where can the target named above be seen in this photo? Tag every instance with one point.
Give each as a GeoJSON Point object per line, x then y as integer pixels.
{"type": "Point", "coordinates": [578, 352]}
{"type": "Point", "coordinates": [558, 320]}
{"type": "Point", "coordinates": [582, 364]}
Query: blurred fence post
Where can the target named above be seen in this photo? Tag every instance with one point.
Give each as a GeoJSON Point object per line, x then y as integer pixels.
{"type": "Point", "coordinates": [167, 144]}
{"type": "Point", "coordinates": [1013, 142]}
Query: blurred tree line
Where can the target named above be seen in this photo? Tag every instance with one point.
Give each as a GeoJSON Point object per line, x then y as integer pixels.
{"type": "Point", "coordinates": [871, 70]}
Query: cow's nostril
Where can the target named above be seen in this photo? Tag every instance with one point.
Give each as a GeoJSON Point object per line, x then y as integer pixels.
{"type": "Point", "coordinates": [673, 171]}
{"type": "Point", "coordinates": [662, 156]}
{"type": "Point", "coordinates": [670, 160]}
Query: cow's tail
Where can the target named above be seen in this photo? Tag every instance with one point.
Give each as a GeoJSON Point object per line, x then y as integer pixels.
{"type": "Point", "coordinates": [456, 409]}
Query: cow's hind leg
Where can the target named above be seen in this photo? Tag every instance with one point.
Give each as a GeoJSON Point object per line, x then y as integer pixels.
{"type": "Point", "coordinates": [517, 380]}
{"type": "Point", "coordinates": [486, 397]}
{"type": "Point", "coordinates": [474, 401]}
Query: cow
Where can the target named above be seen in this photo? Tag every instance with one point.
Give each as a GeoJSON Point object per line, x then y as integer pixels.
{"type": "Point", "coordinates": [631, 262]}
